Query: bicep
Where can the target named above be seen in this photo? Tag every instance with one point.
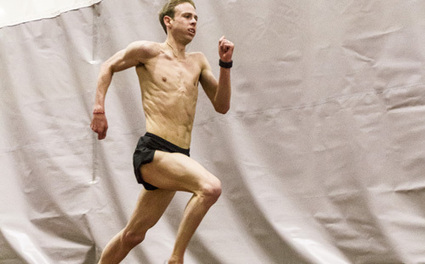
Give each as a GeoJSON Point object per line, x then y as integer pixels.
{"type": "Point", "coordinates": [129, 57]}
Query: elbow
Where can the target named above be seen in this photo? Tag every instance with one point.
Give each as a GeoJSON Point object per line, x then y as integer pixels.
{"type": "Point", "coordinates": [223, 109]}
{"type": "Point", "coordinates": [106, 67]}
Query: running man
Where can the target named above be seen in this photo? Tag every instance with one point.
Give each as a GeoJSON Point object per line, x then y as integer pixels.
{"type": "Point", "coordinates": [169, 78]}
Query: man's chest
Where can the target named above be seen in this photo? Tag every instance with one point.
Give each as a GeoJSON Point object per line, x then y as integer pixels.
{"type": "Point", "coordinates": [180, 72]}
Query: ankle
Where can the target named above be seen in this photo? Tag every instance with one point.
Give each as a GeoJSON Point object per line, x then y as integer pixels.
{"type": "Point", "coordinates": [174, 260]}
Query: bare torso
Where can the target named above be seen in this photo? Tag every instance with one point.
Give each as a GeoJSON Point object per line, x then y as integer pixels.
{"type": "Point", "coordinates": [169, 89]}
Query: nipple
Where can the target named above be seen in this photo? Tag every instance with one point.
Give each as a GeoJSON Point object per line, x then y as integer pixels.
{"type": "Point", "coordinates": [164, 79]}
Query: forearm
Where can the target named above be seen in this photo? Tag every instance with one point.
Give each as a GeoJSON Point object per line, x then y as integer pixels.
{"type": "Point", "coordinates": [223, 93]}
{"type": "Point", "coordinates": [104, 80]}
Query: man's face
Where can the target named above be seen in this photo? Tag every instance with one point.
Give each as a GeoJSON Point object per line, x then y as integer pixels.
{"type": "Point", "coordinates": [184, 22]}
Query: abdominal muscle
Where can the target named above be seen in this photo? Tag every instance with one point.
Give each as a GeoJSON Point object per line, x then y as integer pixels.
{"type": "Point", "coordinates": [169, 100]}
{"type": "Point", "coordinates": [169, 119]}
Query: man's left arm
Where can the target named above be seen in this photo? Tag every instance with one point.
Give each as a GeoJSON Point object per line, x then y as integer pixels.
{"type": "Point", "coordinates": [219, 92]}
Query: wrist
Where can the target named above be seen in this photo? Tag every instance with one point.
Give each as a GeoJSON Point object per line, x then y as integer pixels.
{"type": "Point", "coordinates": [98, 109]}
{"type": "Point", "coordinates": [98, 112]}
{"type": "Point", "coordinates": [225, 64]}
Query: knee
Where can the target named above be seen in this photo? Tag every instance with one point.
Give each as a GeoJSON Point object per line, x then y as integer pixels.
{"type": "Point", "coordinates": [211, 191]}
{"type": "Point", "coordinates": [131, 239]}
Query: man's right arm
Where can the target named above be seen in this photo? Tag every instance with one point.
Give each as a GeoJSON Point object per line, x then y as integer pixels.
{"type": "Point", "coordinates": [135, 54]}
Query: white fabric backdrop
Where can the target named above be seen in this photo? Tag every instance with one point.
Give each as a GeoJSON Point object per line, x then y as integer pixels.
{"type": "Point", "coordinates": [321, 156]}
{"type": "Point", "coordinates": [20, 11]}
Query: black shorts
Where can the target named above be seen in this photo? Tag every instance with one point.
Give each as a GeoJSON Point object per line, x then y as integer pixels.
{"type": "Point", "coordinates": [145, 152]}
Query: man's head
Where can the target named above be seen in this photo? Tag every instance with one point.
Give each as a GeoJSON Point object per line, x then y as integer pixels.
{"type": "Point", "coordinates": [169, 10]}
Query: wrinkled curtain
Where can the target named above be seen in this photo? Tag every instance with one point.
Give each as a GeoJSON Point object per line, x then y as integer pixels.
{"type": "Point", "coordinates": [21, 11]}
{"type": "Point", "coordinates": [321, 156]}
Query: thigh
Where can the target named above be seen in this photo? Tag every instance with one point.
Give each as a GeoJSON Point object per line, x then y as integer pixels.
{"type": "Point", "coordinates": [177, 172]}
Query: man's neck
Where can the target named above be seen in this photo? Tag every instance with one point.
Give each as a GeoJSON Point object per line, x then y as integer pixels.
{"type": "Point", "coordinates": [178, 49]}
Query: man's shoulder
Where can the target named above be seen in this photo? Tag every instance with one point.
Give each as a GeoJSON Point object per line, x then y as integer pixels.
{"type": "Point", "coordinates": [198, 57]}
{"type": "Point", "coordinates": [144, 44]}
{"type": "Point", "coordinates": [147, 48]}
{"type": "Point", "coordinates": [197, 54]}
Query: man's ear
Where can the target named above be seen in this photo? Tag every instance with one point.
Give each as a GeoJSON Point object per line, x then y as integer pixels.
{"type": "Point", "coordinates": [168, 21]}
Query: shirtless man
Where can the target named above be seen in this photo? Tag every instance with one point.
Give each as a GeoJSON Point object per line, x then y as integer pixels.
{"type": "Point", "coordinates": [169, 80]}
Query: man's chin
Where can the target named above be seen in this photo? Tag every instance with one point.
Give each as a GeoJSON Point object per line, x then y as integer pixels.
{"type": "Point", "coordinates": [188, 40]}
